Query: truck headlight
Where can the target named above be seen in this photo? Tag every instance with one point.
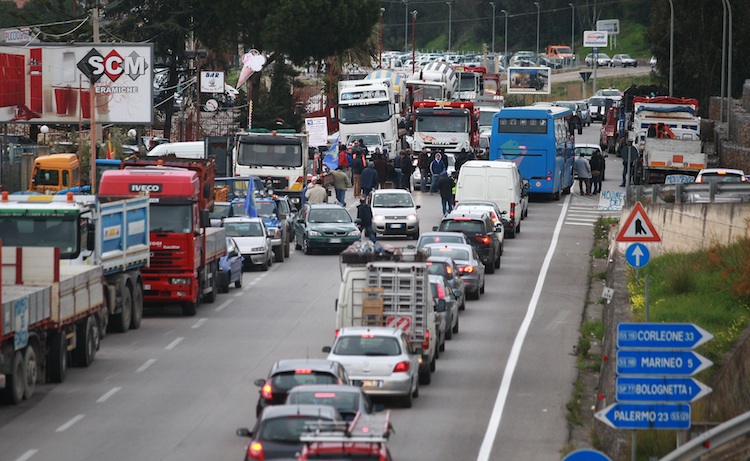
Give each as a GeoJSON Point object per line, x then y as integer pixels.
{"type": "Point", "coordinates": [179, 281]}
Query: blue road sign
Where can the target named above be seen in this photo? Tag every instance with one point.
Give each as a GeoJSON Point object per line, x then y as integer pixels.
{"type": "Point", "coordinates": [661, 335]}
{"type": "Point", "coordinates": [586, 455]}
{"type": "Point", "coordinates": [646, 416]}
{"type": "Point", "coordinates": [656, 362]}
{"type": "Point", "coordinates": [637, 255]}
{"type": "Point", "coordinates": [661, 389]}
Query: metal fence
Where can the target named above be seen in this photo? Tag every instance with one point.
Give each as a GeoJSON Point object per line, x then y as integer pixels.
{"type": "Point", "coordinates": [690, 193]}
{"type": "Point", "coordinates": [16, 165]}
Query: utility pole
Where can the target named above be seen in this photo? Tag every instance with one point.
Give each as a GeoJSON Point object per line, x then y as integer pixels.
{"type": "Point", "coordinates": [92, 110]}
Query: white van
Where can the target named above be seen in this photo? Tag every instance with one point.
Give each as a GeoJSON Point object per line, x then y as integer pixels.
{"type": "Point", "coordinates": [494, 181]}
{"type": "Point", "coordinates": [191, 149]}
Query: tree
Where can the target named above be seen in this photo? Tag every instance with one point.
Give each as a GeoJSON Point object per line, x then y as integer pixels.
{"type": "Point", "coordinates": [276, 106]}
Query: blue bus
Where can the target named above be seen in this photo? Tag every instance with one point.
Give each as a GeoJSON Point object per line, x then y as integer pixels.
{"type": "Point", "coordinates": [538, 141]}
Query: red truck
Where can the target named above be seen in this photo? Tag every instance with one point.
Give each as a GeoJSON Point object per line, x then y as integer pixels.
{"type": "Point", "coordinates": [185, 250]}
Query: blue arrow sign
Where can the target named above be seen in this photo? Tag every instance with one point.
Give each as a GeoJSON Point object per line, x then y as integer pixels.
{"type": "Point", "coordinates": [586, 455]}
{"type": "Point", "coordinates": [661, 335]}
{"type": "Point", "coordinates": [637, 255]}
{"type": "Point", "coordinates": [656, 362]}
{"type": "Point", "coordinates": [646, 416]}
{"type": "Point", "coordinates": [661, 389]}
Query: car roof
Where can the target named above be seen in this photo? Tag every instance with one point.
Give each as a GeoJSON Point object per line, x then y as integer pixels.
{"type": "Point", "coordinates": [458, 214]}
{"type": "Point", "coordinates": [377, 331]}
{"type": "Point", "coordinates": [391, 191]}
{"type": "Point", "coordinates": [302, 409]}
{"type": "Point", "coordinates": [721, 170]}
{"type": "Point", "coordinates": [314, 364]}
{"type": "Point", "coordinates": [326, 388]}
{"type": "Point", "coordinates": [243, 219]}
{"type": "Point", "coordinates": [477, 202]}
{"type": "Point", "coordinates": [329, 206]}
{"type": "Point", "coordinates": [464, 246]}
{"type": "Point", "coordinates": [589, 145]}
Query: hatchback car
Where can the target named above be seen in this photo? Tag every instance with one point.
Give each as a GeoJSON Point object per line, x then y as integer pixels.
{"type": "Point", "coordinates": [448, 269]}
{"type": "Point", "coordinates": [380, 360]}
{"type": "Point", "coordinates": [324, 226]}
{"type": "Point", "coordinates": [470, 267]}
{"type": "Point", "coordinates": [252, 239]}
{"type": "Point", "coordinates": [277, 432]}
{"type": "Point", "coordinates": [440, 237]}
{"type": "Point", "coordinates": [602, 60]}
{"type": "Point", "coordinates": [623, 60]}
{"type": "Point", "coordinates": [447, 305]}
{"type": "Point", "coordinates": [230, 267]}
{"type": "Point", "coordinates": [709, 175]}
{"type": "Point", "coordinates": [718, 175]}
{"type": "Point", "coordinates": [480, 206]}
{"type": "Point", "coordinates": [286, 374]}
{"type": "Point", "coordinates": [480, 232]}
{"type": "Point", "coordinates": [583, 108]}
{"type": "Point", "coordinates": [348, 400]}
{"type": "Point", "coordinates": [394, 213]}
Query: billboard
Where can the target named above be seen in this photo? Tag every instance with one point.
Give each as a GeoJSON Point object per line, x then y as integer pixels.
{"type": "Point", "coordinates": [529, 80]}
{"type": "Point", "coordinates": [610, 26]}
{"type": "Point", "coordinates": [595, 38]}
{"type": "Point", "coordinates": [51, 83]}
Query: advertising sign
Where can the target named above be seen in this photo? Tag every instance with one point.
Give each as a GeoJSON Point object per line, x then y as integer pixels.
{"type": "Point", "coordinates": [611, 26]}
{"type": "Point", "coordinates": [317, 129]}
{"type": "Point", "coordinates": [52, 83]}
{"type": "Point", "coordinates": [212, 81]}
{"type": "Point", "coordinates": [529, 80]}
{"type": "Point", "coordinates": [594, 38]}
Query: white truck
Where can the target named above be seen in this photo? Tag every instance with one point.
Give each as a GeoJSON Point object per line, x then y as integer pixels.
{"type": "Point", "coordinates": [435, 82]}
{"type": "Point", "coordinates": [390, 289]}
{"type": "Point", "coordinates": [48, 310]}
{"type": "Point", "coordinates": [111, 232]}
{"type": "Point", "coordinates": [666, 131]}
{"type": "Point", "coordinates": [371, 106]}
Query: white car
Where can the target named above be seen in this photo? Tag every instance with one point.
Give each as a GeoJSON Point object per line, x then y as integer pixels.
{"type": "Point", "coordinates": [253, 240]}
{"type": "Point", "coordinates": [623, 60]}
{"type": "Point", "coordinates": [602, 60]}
{"type": "Point", "coordinates": [394, 213]}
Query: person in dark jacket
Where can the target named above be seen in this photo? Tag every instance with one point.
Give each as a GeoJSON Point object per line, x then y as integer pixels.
{"type": "Point", "coordinates": [436, 167]}
{"type": "Point", "coordinates": [364, 215]}
{"type": "Point", "coordinates": [445, 185]}
{"type": "Point", "coordinates": [369, 179]}
{"type": "Point", "coordinates": [461, 158]}
{"type": "Point", "coordinates": [407, 169]}
{"type": "Point", "coordinates": [357, 164]}
{"type": "Point", "coordinates": [381, 166]}
{"type": "Point", "coordinates": [597, 171]}
{"type": "Point", "coordinates": [424, 168]}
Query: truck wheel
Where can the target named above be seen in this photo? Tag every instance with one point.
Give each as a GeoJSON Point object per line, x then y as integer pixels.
{"type": "Point", "coordinates": [189, 309]}
{"type": "Point", "coordinates": [122, 320]}
{"type": "Point", "coordinates": [58, 364]}
{"type": "Point", "coordinates": [286, 249]}
{"type": "Point", "coordinates": [211, 297]}
{"type": "Point", "coordinates": [16, 380]}
{"type": "Point", "coordinates": [104, 314]}
{"type": "Point", "coordinates": [30, 366]}
{"type": "Point", "coordinates": [278, 254]}
{"type": "Point", "coordinates": [135, 319]}
{"type": "Point", "coordinates": [87, 342]}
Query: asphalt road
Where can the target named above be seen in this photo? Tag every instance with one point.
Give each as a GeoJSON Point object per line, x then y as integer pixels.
{"type": "Point", "coordinates": [177, 388]}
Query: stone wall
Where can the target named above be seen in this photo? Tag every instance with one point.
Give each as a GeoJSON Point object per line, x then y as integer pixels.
{"type": "Point", "coordinates": [735, 151]}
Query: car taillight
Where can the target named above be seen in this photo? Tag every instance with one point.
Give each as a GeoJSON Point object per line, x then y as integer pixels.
{"type": "Point", "coordinates": [336, 334]}
{"type": "Point", "coordinates": [467, 269]}
{"type": "Point", "coordinates": [401, 367]}
{"type": "Point", "coordinates": [426, 342]}
{"type": "Point", "coordinates": [448, 270]}
{"type": "Point", "coordinates": [266, 391]}
{"type": "Point", "coordinates": [255, 451]}
{"type": "Point", "coordinates": [441, 292]}
{"type": "Point", "coordinates": [512, 211]}
{"type": "Point", "coordinates": [484, 239]}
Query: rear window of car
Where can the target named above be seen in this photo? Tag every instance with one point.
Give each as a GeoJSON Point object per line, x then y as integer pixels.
{"type": "Point", "coordinates": [367, 345]}
{"type": "Point", "coordinates": [426, 240]}
{"type": "Point", "coordinates": [725, 177]}
{"type": "Point", "coordinates": [439, 268]}
{"type": "Point", "coordinates": [469, 227]}
{"type": "Point", "coordinates": [344, 402]}
{"type": "Point", "coordinates": [287, 429]}
{"type": "Point", "coordinates": [287, 380]}
{"type": "Point", "coordinates": [454, 253]}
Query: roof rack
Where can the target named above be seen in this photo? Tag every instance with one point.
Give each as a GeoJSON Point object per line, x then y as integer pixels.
{"type": "Point", "coordinates": [367, 252]}
{"type": "Point", "coordinates": [370, 428]}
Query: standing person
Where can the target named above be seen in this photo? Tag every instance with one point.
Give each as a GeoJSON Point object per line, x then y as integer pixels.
{"type": "Point", "coordinates": [407, 169]}
{"type": "Point", "coordinates": [629, 154]}
{"type": "Point", "coordinates": [445, 185]}
{"type": "Point", "coordinates": [583, 170]}
{"type": "Point", "coordinates": [340, 184]}
{"type": "Point", "coordinates": [461, 158]}
{"type": "Point", "coordinates": [597, 171]}
{"type": "Point", "coordinates": [424, 168]}
{"type": "Point", "coordinates": [397, 166]}
{"type": "Point", "coordinates": [369, 179]}
{"type": "Point", "coordinates": [316, 193]}
{"type": "Point", "coordinates": [357, 165]}
{"type": "Point", "coordinates": [303, 194]}
{"type": "Point", "coordinates": [364, 215]}
{"type": "Point", "coordinates": [381, 166]}
{"type": "Point", "coordinates": [436, 167]}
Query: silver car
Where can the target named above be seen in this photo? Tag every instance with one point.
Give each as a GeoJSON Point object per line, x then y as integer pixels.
{"type": "Point", "coordinates": [470, 267]}
{"type": "Point", "coordinates": [380, 360]}
{"type": "Point", "coordinates": [394, 213]}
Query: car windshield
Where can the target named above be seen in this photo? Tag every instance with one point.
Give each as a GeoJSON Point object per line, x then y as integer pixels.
{"type": "Point", "coordinates": [220, 211]}
{"type": "Point", "coordinates": [286, 429]}
{"type": "Point", "coordinates": [427, 239]}
{"type": "Point", "coordinates": [468, 226]}
{"type": "Point", "coordinates": [569, 105]}
{"type": "Point", "coordinates": [368, 345]}
{"type": "Point", "coordinates": [368, 139]}
{"type": "Point", "coordinates": [286, 380]}
{"type": "Point", "coordinates": [587, 151]}
{"type": "Point", "coordinates": [720, 177]}
{"type": "Point", "coordinates": [329, 215]}
{"type": "Point", "coordinates": [344, 402]}
{"type": "Point", "coordinates": [392, 201]}
{"type": "Point", "coordinates": [439, 268]}
{"type": "Point", "coordinates": [596, 102]}
{"type": "Point", "coordinates": [456, 254]}
{"type": "Point", "coordinates": [243, 229]}
{"type": "Point", "coordinates": [610, 92]}
{"type": "Point", "coordinates": [266, 208]}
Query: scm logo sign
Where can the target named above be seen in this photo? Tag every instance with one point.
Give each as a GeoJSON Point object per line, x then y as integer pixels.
{"type": "Point", "coordinates": [95, 65]}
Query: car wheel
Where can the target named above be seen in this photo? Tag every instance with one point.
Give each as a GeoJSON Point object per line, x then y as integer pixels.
{"type": "Point", "coordinates": [497, 262]}
{"type": "Point", "coordinates": [481, 290]}
{"type": "Point", "coordinates": [306, 247]}
{"type": "Point", "coordinates": [490, 268]}
{"type": "Point", "coordinates": [448, 334]}
{"type": "Point", "coordinates": [407, 400]}
{"type": "Point", "coordinates": [286, 249]}
{"type": "Point", "coordinates": [415, 394]}
{"type": "Point", "coordinates": [455, 329]}
{"type": "Point", "coordinates": [462, 307]}
{"type": "Point", "coordinates": [297, 246]}
{"type": "Point", "coordinates": [433, 364]}
{"type": "Point", "coordinates": [278, 254]}
{"type": "Point", "coordinates": [513, 231]}
{"type": "Point", "coordinates": [425, 377]}
{"type": "Point", "coordinates": [238, 283]}
{"type": "Point", "coordinates": [264, 266]}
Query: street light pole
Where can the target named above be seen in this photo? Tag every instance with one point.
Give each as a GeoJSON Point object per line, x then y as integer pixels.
{"type": "Point", "coordinates": [572, 29]}
{"type": "Point", "coordinates": [723, 58]}
{"type": "Point", "coordinates": [537, 28]}
{"type": "Point", "coordinates": [505, 56]}
{"type": "Point", "coordinates": [413, 41]}
{"type": "Point", "coordinates": [671, 45]}
{"type": "Point", "coordinates": [450, 13]}
{"type": "Point", "coordinates": [493, 27]}
{"type": "Point", "coordinates": [382, 10]}
{"type": "Point", "coordinates": [729, 70]}
{"type": "Point", "coordinates": [406, 24]}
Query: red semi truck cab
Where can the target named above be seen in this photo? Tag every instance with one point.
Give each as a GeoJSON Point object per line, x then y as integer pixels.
{"type": "Point", "coordinates": [184, 253]}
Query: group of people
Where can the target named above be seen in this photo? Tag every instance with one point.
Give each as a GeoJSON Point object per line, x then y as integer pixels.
{"type": "Point", "coordinates": [590, 173]}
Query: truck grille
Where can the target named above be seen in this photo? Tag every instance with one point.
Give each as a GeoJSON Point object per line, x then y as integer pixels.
{"type": "Point", "coordinates": [167, 260]}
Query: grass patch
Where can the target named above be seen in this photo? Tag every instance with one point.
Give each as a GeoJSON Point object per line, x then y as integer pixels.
{"type": "Point", "coordinates": [593, 329]}
{"type": "Point", "coordinates": [599, 253]}
{"type": "Point", "coordinates": [601, 275]}
{"type": "Point", "coordinates": [574, 416]}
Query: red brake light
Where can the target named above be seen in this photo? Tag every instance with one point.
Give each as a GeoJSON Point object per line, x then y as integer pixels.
{"type": "Point", "coordinates": [467, 269]}
{"type": "Point", "coordinates": [494, 217]}
{"type": "Point", "coordinates": [401, 367]}
{"type": "Point", "coordinates": [448, 269]}
{"type": "Point", "coordinates": [441, 292]}
{"type": "Point", "coordinates": [266, 391]}
{"type": "Point", "coordinates": [255, 451]}
{"type": "Point", "coordinates": [325, 395]}
{"type": "Point", "coordinates": [303, 371]}
{"type": "Point", "coordinates": [336, 333]}
{"type": "Point", "coordinates": [428, 263]}
{"type": "Point", "coordinates": [368, 335]}
{"type": "Point", "coordinates": [483, 239]}
{"type": "Point", "coordinates": [512, 210]}
{"type": "Point", "coordinates": [426, 342]}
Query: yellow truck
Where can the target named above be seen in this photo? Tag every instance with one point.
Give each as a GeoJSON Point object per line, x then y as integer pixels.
{"type": "Point", "coordinates": [53, 173]}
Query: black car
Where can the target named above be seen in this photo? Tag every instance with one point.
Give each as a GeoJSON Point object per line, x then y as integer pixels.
{"type": "Point", "coordinates": [480, 232]}
{"type": "Point", "coordinates": [285, 374]}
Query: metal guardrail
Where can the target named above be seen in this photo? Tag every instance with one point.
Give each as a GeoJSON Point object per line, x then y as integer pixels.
{"type": "Point", "coordinates": [690, 193]}
{"type": "Point", "coordinates": [711, 439]}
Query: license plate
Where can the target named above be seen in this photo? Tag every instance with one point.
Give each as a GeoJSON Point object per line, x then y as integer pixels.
{"type": "Point", "coordinates": [335, 240]}
{"type": "Point", "coordinates": [396, 226]}
{"type": "Point", "coordinates": [146, 287]}
{"type": "Point", "coordinates": [372, 383]}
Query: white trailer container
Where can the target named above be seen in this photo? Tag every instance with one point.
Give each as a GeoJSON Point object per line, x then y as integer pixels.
{"type": "Point", "coordinates": [663, 157]}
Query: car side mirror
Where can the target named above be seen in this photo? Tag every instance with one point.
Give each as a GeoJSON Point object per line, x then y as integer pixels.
{"type": "Point", "coordinates": [418, 207]}
{"type": "Point", "coordinates": [326, 349]}
{"type": "Point", "coordinates": [358, 221]}
{"type": "Point", "coordinates": [441, 305]}
{"type": "Point", "coordinates": [232, 254]}
{"type": "Point", "coordinates": [259, 382]}
{"type": "Point", "coordinates": [244, 432]}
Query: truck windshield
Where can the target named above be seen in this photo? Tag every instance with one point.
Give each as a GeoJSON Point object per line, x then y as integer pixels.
{"type": "Point", "coordinates": [379, 112]}
{"type": "Point", "coordinates": [283, 155]}
{"type": "Point", "coordinates": [44, 231]}
{"type": "Point", "coordinates": [171, 218]}
{"type": "Point", "coordinates": [485, 117]}
{"type": "Point", "coordinates": [468, 83]}
{"type": "Point", "coordinates": [442, 124]}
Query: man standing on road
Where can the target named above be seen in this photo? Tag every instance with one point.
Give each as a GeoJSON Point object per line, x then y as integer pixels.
{"type": "Point", "coordinates": [406, 171]}
{"type": "Point", "coordinates": [445, 185]}
{"type": "Point", "coordinates": [369, 179]}
{"type": "Point", "coordinates": [597, 171]}
{"type": "Point", "coordinates": [316, 193]}
{"type": "Point", "coordinates": [436, 167]}
{"type": "Point", "coordinates": [364, 215]}
{"type": "Point", "coordinates": [424, 168]}
{"type": "Point", "coordinates": [629, 154]}
{"type": "Point", "coordinates": [340, 184]}
{"type": "Point", "coordinates": [583, 171]}
{"type": "Point", "coordinates": [357, 165]}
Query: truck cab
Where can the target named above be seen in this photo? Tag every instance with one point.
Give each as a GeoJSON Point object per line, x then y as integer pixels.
{"type": "Point", "coordinates": [53, 173]}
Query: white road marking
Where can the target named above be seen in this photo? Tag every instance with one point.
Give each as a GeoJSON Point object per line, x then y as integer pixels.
{"type": "Point", "coordinates": [239, 293]}
{"type": "Point", "coordinates": [502, 394]}
{"type": "Point", "coordinates": [67, 425]}
{"type": "Point", "coordinates": [174, 343]}
{"type": "Point", "coordinates": [223, 305]}
{"type": "Point", "coordinates": [26, 456]}
{"type": "Point", "coordinates": [199, 323]}
{"type": "Point", "coordinates": [580, 223]}
{"type": "Point", "coordinates": [143, 367]}
{"type": "Point", "coordinates": [109, 394]}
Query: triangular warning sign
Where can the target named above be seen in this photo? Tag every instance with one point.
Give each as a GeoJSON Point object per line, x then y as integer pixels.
{"type": "Point", "coordinates": [638, 227]}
